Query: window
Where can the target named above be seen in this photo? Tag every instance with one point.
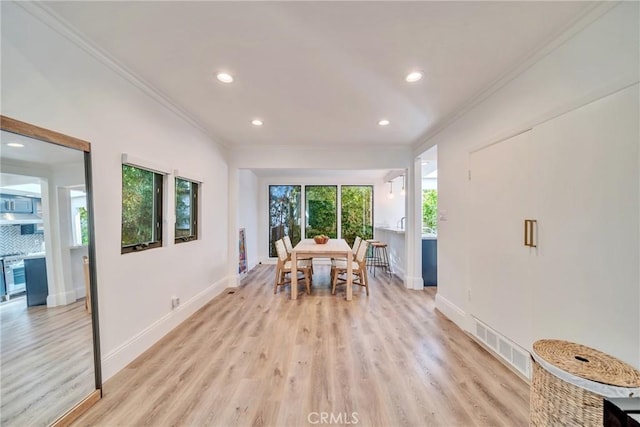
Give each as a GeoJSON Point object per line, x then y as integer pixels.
{"type": "Point", "coordinates": [80, 219]}
{"type": "Point", "coordinates": [321, 210]}
{"type": "Point", "coordinates": [284, 214]}
{"type": "Point", "coordinates": [141, 209]}
{"type": "Point", "coordinates": [430, 211]}
{"type": "Point", "coordinates": [357, 212]}
{"type": "Point", "coordinates": [186, 210]}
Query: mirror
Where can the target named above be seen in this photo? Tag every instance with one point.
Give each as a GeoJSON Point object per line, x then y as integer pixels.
{"type": "Point", "coordinates": [48, 305]}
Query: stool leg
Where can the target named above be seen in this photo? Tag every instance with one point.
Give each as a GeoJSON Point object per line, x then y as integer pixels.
{"type": "Point", "coordinates": [386, 261]}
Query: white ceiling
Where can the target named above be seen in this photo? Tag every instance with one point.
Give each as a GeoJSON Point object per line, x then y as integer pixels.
{"type": "Point", "coordinates": [319, 72]}
{"type": "Point", "coordinates": [36, 151]}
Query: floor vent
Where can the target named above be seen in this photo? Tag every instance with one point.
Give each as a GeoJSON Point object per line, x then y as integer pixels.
{"type": "Point", "coordinates": [512, 353]}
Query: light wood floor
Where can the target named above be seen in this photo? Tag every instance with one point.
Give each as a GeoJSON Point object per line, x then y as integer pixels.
{"type": "Point", "coordinates": [251, 358]}
{"type": "Point", "coordinates": [46, 361]}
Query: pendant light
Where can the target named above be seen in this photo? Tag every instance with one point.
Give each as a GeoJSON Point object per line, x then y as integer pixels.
{"type": "Point", "coordinates": [390, 190]}
{"type": "Point", "coordinates": [402, 191]}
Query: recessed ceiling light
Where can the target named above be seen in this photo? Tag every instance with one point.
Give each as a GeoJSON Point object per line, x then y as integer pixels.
{"type": "Point", "coordinates": [384, 122]}
{"type": "Point", "coordinates": [15, 144]}
{"type": "Point", "coordinates": [225, 77]}
{"type": "Point", "coordinates": [256, 122]}
{"type": "Point", "coordinates": [413, 76]}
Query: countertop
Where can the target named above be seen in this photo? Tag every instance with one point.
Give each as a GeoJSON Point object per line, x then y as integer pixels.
{"type": "Point", "coordinates": [391, 229]}
{"type": "Point", "coordinates": [35, 255]}
{"type": "Point", "coordinates": [427, 236]}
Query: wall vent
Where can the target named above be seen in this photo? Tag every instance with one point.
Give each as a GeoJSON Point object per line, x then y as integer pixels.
{"type": "Point", "coordinates": [511, 352]}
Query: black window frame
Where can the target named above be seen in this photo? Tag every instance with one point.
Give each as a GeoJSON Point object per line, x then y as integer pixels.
{"type": "Point", "coordinates": [278, 229]}
{"type": "Point", "coordinates": [195, 188]}
{"type": "Point", "coordinates": [158, 187]}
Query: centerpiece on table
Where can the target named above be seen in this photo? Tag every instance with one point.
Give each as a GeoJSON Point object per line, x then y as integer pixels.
{"type": "Point", "coordinates": [321, 239]}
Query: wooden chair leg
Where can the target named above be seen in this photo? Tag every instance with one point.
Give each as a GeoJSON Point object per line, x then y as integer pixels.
{"type": "Point", "coordinates": [275, 285]}
{"type": "Point", "coordinates": [334, 281]}
{"type": "Point", "coordinates": [307, 280]}
{"type": "Point", "coordinates": [363, 281]}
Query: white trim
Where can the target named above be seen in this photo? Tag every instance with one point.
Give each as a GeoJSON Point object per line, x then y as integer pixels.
{"type": "Point", "coordinates": [198, 180]}
{"type": "Point", "coordinates": [452, 312]}
{"type": "Point", "coordinates": [61, 298]}
{"type": "Point", "coordinates": [114, 361]}
{"type": "Point", "coordinates": [592, 96]}
{"type": "Point", "coordinates": [54, 21]}
{"type": "Point", "coordinates": [550, 45]}
{"type": "Point", "coordinates": [128, 159]}
{"type": "Point", "coordinates": [414, 283]}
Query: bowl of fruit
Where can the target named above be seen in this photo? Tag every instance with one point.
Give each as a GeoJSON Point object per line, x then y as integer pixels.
{"type": "Point", "coordinates": [321, 239]}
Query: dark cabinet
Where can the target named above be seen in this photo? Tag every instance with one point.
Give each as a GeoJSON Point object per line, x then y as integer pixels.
{"type": "Point", "coordinates": [3, 287]}
{"type": "Point", "coordinates": [430, 262]}
{"type": "Point", "coordinates": [621, 412]}
{"type": "Point", "coordinates": [35, 274]}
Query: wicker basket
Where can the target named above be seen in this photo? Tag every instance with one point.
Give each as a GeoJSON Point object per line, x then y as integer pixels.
{"type": "Point", "coordinates": [556, 402]}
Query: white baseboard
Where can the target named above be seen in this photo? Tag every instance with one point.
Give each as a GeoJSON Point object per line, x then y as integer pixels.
{"type": "Point", "coordinates": [117, 359]}
{"type": "Point", "coordinates": [61, 298]}
{"type": "Point", "coordinates": [453, 312]}
{"type": "Point", "coordinates": [414, 283]}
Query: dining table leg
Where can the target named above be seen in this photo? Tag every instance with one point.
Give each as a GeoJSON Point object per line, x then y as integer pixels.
{"type": "Point", "coordinates": [294, 275]}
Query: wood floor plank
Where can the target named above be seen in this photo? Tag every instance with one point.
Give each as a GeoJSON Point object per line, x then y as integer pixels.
{"type": "Point", "coordinates": [252, 358]}
{"type": "Point", "coordinates": [46, 361]}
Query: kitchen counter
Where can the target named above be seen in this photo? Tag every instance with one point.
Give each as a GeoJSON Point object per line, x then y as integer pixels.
{"type": "Point", "coordinates": [391, 229]}
{"type": "Point", "coordinates": [35, 255]}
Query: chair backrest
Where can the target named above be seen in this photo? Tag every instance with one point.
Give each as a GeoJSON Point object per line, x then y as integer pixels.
{"type": "Point", "coordinates": [356, 245]}
{"type": "Point", "coordinates": [362, 251]}
{"type": "Point", "coordinates": [287, 244]}
{"type": "Point", "coordinates": [281, 250]}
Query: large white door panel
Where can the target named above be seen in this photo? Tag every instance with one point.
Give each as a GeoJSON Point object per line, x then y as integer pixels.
{"type": "Point", "coordinates": [589, 226]}
{"type": "Point", "coordinates": [500, 272]}
{"type": "Point", "coordinates": [578, 176]}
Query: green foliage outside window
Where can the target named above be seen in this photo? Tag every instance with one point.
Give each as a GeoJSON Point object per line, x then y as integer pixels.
{"type": "Point", "coordinates": [138, 207]}
{"type": "Point", "coordinates": [430, 210]}
{"type": "Point", "coordinates": [322, 210]}
{"type": "Point", "coordinates": [357, 212]}
{"type": "Point", "coordinates": [284, 215]}
{"type": "Point", "coordinates": [84, 225]}
{"type": "Point", "coordinates": [185, 209]}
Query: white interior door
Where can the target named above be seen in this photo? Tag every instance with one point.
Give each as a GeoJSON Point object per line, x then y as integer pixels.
{"type": "Point", "coordinates": [589, 221]}
{"type": "Point", "coordinates": [502, 197]}
{"type": "Point", "coordinates": [578, 176]}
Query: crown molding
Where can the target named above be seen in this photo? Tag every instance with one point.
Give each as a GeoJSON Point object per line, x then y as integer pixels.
{"type": "Point", "coordinates": [43, 13]}
{"type": "Point", "coordinates": [553, 42]}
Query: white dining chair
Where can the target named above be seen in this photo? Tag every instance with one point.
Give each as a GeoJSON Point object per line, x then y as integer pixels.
{"type": "Point", "coordinates": [283, 267]}
{"type": "Point", "coordinates": [359, 267]}
{"type": "Point", "coordinates": [289, 247]}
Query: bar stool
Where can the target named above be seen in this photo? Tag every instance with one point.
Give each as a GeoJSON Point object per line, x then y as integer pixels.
{"type": "Point", "coordinates": [379, 257]}
{"type": "Point", "coordinates": [369, 256]}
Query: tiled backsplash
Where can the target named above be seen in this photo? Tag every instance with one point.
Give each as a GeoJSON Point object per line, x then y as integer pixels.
{"type": "Point", "coordinates": [11, 241]}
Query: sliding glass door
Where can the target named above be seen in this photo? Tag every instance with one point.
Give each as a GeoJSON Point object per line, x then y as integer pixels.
{"type": "Point", "coordinates": [357, 212]}
{"type": "Point", "coordinates": [321, 210]}
{"type": "Point", "coordinates": [284, 214]}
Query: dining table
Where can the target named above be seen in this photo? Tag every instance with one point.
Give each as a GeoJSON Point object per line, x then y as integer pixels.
{"type": "Point", "coordinates": [333, 248]}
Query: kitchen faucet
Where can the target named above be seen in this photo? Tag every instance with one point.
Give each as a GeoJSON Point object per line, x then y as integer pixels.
{"type": "Point", "coordinates": [402, 222]}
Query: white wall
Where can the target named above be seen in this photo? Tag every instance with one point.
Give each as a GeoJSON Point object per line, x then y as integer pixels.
{"type": "Point", "coordinates": [49, 81]}
{"type": "Point", "coordinates": [429, 184]}
{"type": "Point", "coordinates": [248, 208]}
{"type": "Point", "coordinates": [389, 211]}
{"type": "Point", "coordinates": [597, 61]}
